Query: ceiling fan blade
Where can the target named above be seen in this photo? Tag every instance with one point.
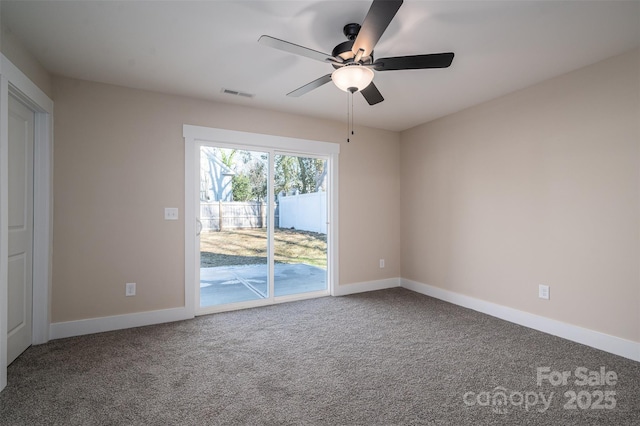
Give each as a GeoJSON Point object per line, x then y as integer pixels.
{"type": "Point", "coordinates": [372, 94]}
{"type": "Point", "coordinates": [310, 86]}
{"type": "Point", "coordinates": [295, 49]}
{"type": "Point", "coordinates": [415, 62]}
{"type": "Point", "coordinates": [377, 20]}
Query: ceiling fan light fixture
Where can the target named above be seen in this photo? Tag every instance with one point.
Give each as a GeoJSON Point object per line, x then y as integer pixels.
{"type": "Point", "coordinates": [352, 77]}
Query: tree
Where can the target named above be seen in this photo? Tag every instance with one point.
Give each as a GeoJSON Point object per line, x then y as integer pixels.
{"type": "Point", "coordinates": [257, 175]}
{"type": "Point", "coordinates": [301, 173]}
{"type": "Point", "coordinates": [226, 156]}
{"type": "Point", "coordinates": [241, 188]}
{"type": "Point", "coordinates": [286, 174]}
{"type": "Point", "coordinates": [321, 175]}
{"type": "Point", "coordinates": [312, 172]}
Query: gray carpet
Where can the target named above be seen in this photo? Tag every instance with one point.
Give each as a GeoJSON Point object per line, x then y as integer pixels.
{"type": "Point", "coordinates": [390, 357]}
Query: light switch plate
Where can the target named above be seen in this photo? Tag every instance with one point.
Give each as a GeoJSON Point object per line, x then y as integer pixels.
{"type": "Point", "coordinates": [171, 213]}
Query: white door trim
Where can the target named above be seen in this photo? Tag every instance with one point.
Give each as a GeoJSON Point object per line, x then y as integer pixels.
{"type": "Point", "coordinates": [193, 135]}
{"type": "Point", "coordinates": [14, 81]}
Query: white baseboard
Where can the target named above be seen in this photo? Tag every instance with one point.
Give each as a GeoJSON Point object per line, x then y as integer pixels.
{"type": "Point", "coordinates": [615, 345]}
{"type": "Point", "coordinates": [595, 339]}
{"type": "Point", "coordinates": [344, 289]}
{"type": "Point", "coordinates": [60, 330]}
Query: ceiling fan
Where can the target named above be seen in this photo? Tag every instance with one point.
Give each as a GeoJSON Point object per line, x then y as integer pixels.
{"type": "Point", "coordinates": [353, 59]}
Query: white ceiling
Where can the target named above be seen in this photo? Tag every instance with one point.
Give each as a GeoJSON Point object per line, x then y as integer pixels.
{"type": "Point", "coordinates": [198, 48]}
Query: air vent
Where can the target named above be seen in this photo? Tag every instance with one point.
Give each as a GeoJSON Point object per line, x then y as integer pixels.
{"type": "Point", "coordinates": [237, 93]}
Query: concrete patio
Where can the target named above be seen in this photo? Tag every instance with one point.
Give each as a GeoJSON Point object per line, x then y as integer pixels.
{"type": "Point", "coordinates": [241, 283]}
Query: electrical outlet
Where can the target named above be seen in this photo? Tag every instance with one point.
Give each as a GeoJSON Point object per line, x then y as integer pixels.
{"type": "Point", "coordinates": [543, 292]}
{"type": "Point", "coordinates": [381, 263]}
{"type": "Point", "coordinates": [130, 289]}
{"type": "Point", "coordinates": [171, 213]}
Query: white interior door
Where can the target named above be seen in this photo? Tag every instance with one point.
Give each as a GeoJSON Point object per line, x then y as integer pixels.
{"type": "Point", "coordinates": [20, 206]}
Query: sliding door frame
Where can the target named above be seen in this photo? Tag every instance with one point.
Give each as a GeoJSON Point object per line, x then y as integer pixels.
{"type": "Point", "coordinates": [196, 136]}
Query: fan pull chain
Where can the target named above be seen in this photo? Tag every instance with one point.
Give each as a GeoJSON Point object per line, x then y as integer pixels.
{"type": "Point", "coordinates": [348, 117]}
{"type": "Point", "coordinates": [350, 114]}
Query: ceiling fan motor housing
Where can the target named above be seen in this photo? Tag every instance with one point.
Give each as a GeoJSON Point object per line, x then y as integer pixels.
{"type": "Point", "coordinates": [344, 50]}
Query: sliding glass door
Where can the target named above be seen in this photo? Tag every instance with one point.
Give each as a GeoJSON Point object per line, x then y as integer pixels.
{"type": "Point", "coordinates": [234, 222]}
{"type": "Point", "coordinates": [300, 235]}
{"type": "Point", "coordinates": [262, 226]}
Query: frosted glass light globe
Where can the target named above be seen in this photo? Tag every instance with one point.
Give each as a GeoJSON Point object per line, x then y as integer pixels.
{"type": "Point", "coordinates": [352, 76]}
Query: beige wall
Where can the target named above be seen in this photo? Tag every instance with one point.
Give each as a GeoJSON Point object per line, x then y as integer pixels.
{"type": "Point", "coordinates": [537, 187]}
{"type": "Point", "coordinates": [13, 50]}
{"type": "Point", "coordinates": [119, 160]}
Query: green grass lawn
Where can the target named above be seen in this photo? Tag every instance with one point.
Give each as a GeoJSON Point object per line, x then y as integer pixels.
{"type": "Point", "coordinates": [249, 247]}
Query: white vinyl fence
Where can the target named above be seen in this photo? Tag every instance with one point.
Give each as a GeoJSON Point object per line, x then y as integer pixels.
{"type": "Point", "coordinates": [306, 212]}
